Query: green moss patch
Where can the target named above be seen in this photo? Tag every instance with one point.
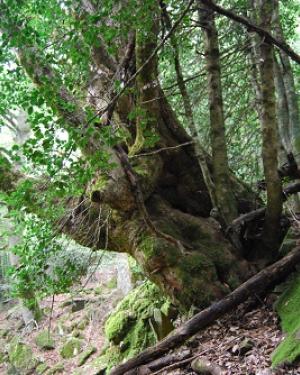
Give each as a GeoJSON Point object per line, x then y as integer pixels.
{"type": "Point", "coordinates": [132, 326]}
{"type": "Point", "coordinates": [71, 348]}
{"type": "Point", "coordinates": [21, 357]}
{"type": "Point", "coordinates": [44, 340]}
{"type": "Point", "coordinates": [288, 307]}
{"type": "Point", "coordinates": [86, 355]}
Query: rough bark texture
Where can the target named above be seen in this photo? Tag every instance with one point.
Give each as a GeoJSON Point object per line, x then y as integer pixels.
{"type": "Point", "coordinates": [289, 84]}
{"type": "Point", "coordinates": [224, 196]}
{"type": "Point", "coordinates": [269, 133]}
{"type": "Point", "coordinates": [188, 110]}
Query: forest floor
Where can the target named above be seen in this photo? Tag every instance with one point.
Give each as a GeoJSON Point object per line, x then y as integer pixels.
{"type": "Point", "coordinates": [240, 343]}
{"type": "Point", "coordinates": [94, 303]}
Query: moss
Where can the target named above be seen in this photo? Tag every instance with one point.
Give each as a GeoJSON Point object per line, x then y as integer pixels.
{"type": "Point", "coordinates": [44, 340]}
{"type": "Point", "coordinates": [21, 357]}
{"type": "Point", "coordinates": [118, 325]}
{"type": "Point", "coordinates": [57, 369]}
{"type": "Point", "coordinates": [98, 290]}
{"type": "Point", "coordinates": [41, 368]}
{"type": "Point", "coordinates": [112, 284]}
{"type": "Point", "coordinates": [86, 355]}
{"type": "Point", "coordinates": [83, 324]}
{"type": "Point", "coordinates": [288, 351]}
{"type": "Point", "coordinates": [71, 348]}
{"type": "Point", "coordinates": [288, 307]}
{"type": "Point", "coordinates": [129, 329]}
{"type": "Point", "coordinates": [147, 246]}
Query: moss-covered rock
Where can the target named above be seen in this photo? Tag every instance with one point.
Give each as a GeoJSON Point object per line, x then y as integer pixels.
{"type": "Point", "coordinates": [288, 307]}
{"type": "Point", "coordinates": [84, 356]}
{"type": "Point", "coordinates": [57, 369]}
{"type": "Point", "coordinates": [112, 284]}
{"type": "Point", "coordinates": [133, 326]}
{"type": "Point", "coordinates": [41, 368]}
{"type": "Point", "coordinates": [44, 340]}
{"type": "Point", "coordinates": [71, 348]}
{"type": "Point", "coordinates": [21, 357]}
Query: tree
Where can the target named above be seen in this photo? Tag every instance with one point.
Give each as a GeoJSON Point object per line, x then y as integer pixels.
{"type": "Point", "coordinates": [114, 167]}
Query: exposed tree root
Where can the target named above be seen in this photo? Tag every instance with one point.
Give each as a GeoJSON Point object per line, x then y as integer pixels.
{"type": "Point", "coordinates": [261, 281]}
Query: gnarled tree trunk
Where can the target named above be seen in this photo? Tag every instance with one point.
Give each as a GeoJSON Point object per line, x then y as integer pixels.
{"type": "Point", "coordinates": [154, 204]}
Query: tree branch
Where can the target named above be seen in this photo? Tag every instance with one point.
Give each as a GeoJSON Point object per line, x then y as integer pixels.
{"type": "Point", "coordinates": [268, 37]}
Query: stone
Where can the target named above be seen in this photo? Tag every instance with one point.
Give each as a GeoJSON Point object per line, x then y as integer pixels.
{"type": "Point", "coordinates": [4, 332]}
{"type": "Point", "coordinates": [243, 347]}
{"type": "Point", "coordinates": [204, 367]}
{"type": "Point", "coordinates": [78, 305]}
{"type": "Point", "coordinates": [84, 356]}
{"type": "Point", "coordinates": [21, 357]}
{"type": "Point", "coordinates": [77, 333]}
{"type": "Point", "coordinates": [41, 368]}
{"type": "Point", "coordinates": [71, 348]}
{"type": "Point", "coordinates": [57, 369]}
{"type": "Point", "coordinates": [266, 371]}
{"type": "Point", "coordinates": [82, 325]}
{"type": "Point", "coordinates": [44, 340]}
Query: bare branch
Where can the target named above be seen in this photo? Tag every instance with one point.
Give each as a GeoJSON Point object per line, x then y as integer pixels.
{"type": "Point", "coordinates": [268, 37]}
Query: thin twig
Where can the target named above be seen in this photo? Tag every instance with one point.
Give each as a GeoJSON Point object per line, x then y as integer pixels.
{"type": "Point", "coordinates": [161, 150]}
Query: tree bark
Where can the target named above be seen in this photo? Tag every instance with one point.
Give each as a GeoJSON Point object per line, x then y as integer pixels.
{"type": "Point", "coordinates": [188, 110]}
{"type": "Point", "coordinates": [289, 84]}
{"type": "Point", "coordinates": [224, 196]}
{"type": "Point", "coordinates": [158, 209]}
{"type": "Point", "coordinates": [269, 133]}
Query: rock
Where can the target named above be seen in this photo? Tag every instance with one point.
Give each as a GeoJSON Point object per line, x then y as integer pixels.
{"type": "Point", "coordinates": [44, 340]}
{"type": "Point", "coordinates": [57, 369]}
{"type": "Point", "coordinates": [76, 304]}
{"type": "Point", "coordinates": [86, 355]}
{"type": "Point", "coordinates": [243, 347]}
{"type": "Point", "coordinates": [77, 333]}
{"type": "Point", "coordinates": [71, 348]}
{"type": "Point", "coordinates": [3, 356]}
{"type": "Point", "coordinates": [41, 368]}
{"type": "Point", "coordinates": [21, 357]}
{"type": "Point", "coordinates": [266, 371]}
{"type": "Point", "coordinates": [123, 346]}
{"type": "Point", "coordinates": [4, 332]}
{"type": "Point", "coordinates": [82, 325]}
{"type": "Point", "coordinates": [205, 367]}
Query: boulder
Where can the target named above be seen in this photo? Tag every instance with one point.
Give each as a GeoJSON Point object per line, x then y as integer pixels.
{"type": "Point", "coordinates": [71, 348]}
{"type": "Point", "coordinates": [84, 356]}
{"type": "Point", "coordinates": [44, 340]}
{"type": "Point", "coordinates": [21, 357]}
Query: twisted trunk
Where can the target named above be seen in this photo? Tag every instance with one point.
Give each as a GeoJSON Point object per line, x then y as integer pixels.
{"type": "Point", "coordinates": [154, 204]}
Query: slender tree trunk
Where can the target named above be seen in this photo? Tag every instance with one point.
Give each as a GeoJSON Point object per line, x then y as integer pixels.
{"type": "Point", "coordinates": [269, 134]}
{"type": "Point", "coordinates": [285, 70]}
{"type": "Point", "coordinates": [223, 190]}
{"type": "Point", "coordinates": [282, 114]}
{"type": "Point", "coordinates": [289, 83]}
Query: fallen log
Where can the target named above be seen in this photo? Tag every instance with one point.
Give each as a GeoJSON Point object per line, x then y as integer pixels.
{"type": "Point", "coordinates": [263, 280]}
{"type": "Point", "coordinates": [259, 213]}
{"type": "Point", "coordinates": [164, 362]}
